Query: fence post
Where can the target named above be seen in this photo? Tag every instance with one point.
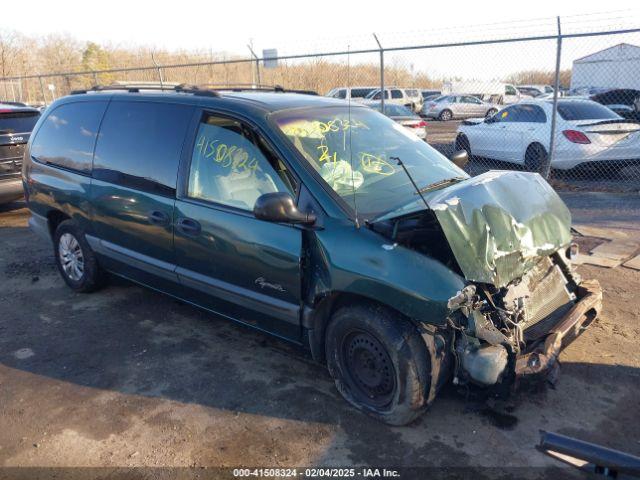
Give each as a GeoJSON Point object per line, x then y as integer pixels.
{"type": "Point", "coordinates": [253, 54]}
{"type": "Point", "coordinates": [159, 70]}
{"type": "Point", "coordinates": [44, 97]}
{"type": "Point", "coordinates": [381, 73]}
{"type": "Point", "coordinates": [546, 168]}
{"type": "Point", "coordinates": [95, 78]}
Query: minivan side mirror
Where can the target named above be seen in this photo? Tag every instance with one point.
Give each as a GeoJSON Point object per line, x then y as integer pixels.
{"type": "Point", "coordinates": [280, 207]}
{"type": "Point", "coordinates": [460, 158]}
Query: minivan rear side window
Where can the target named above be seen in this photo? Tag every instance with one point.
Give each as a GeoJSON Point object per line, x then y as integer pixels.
{"type": "Point", "coordinates": [67, 136]}
{"type": "Point", "coordinates": [140, 145]}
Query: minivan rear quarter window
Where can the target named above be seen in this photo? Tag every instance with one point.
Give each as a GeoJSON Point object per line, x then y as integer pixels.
{"type": "Point", "coordinates": [67, 136]}
{"type": "Point", "coordinates": [140, 145]}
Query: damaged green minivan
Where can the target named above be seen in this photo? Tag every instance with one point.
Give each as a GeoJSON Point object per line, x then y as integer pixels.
{"type": "Point", "coordinates": [323, 223]}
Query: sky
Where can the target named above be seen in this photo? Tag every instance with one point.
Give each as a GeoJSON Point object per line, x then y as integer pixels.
{"type": "Point", "coordinates": [330, 25]}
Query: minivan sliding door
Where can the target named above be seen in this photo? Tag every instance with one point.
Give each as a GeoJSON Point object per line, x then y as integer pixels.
{"type": "Point", "coordinates": [133, 188]}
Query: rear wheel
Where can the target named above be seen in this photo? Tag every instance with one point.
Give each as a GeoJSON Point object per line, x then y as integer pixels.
{"type": "Point", "coordinates": [445, 115]}
{"type": "Point", "coordinates": [76, 261]}
{"type": "Point", "coordinates": [534, 157]}
{"type": "Point", "coordinates": [491, 112]}
{"type": "Point", "coordinates": [379, 362]}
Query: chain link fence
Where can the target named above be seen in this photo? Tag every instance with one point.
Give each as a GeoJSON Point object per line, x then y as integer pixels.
{"type": "Point", "coordinates": [561, 100]}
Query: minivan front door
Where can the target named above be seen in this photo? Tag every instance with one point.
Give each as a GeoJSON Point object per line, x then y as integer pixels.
{"type": "Point", "coordinates": [229, 261]}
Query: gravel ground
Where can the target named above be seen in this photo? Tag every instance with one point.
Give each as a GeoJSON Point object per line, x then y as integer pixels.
{"type": "Point", "coordinates": [130, 377]}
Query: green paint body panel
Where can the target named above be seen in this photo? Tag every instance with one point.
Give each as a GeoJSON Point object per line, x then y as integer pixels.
{"type": "Point", "coordinates": [373, 267]}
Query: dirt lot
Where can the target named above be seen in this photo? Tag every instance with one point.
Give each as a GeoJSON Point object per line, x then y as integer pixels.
{"type": "Point", "coordinates": [129, 377]}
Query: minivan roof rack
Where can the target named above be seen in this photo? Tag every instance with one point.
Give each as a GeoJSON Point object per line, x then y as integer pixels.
{"type": "Point", "coordinates": [252, 87]}
{"type": "Point", "coordinates": [136, 87]}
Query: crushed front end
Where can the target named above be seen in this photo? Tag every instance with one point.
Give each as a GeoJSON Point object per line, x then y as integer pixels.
{"type": "Point", "coordinates": [509, 235]}
{"type": "Point", "coordinates": [504, 335]}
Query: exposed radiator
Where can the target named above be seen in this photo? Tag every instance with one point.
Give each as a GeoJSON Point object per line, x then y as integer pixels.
{"type": "Point", "coordinates": [545, 295]}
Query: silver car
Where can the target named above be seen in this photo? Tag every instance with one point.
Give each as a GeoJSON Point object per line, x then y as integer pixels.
{"type": "Point", "coordinates": [447, 107]}
{"type": "Point", "coordinates": [405, 117]}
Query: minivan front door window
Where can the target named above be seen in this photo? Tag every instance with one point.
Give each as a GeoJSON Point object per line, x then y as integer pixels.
{"type": "Point", "coordinates": [229, 167]}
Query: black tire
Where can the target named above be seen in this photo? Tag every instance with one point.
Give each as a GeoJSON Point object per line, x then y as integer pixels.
{"type": "Point", "coordinates": [379, 362]}
{"type": "Point", "coordinates": [445, 115]}
{"type": "Point", "coordinates": [92, 276]}
{"type": "Point", "coordinates": [462, 143]}
{"type": "Point", "coordinates": [491, 112]}
{"type": "Point", "coordinates": [534, 157]}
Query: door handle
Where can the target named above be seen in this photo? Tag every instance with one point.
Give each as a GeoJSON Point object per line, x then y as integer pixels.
{"type": "Point", "coordinates": [158, 217]}
{"type": "Point", "coordinates": [188, 226]}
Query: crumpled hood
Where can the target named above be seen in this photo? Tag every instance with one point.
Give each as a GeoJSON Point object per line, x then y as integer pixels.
{"type": "Point", "coordinates": [500, 223]}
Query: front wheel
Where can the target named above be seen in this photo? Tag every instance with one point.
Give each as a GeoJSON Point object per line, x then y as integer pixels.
{"type": "Point", "coordinates": [490, 113]}
{"type": "Point", "coordinates": [379, 362]}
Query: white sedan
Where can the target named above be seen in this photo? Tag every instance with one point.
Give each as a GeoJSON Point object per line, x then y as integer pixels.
{"type": "Point", "coordinates": [585, 132]}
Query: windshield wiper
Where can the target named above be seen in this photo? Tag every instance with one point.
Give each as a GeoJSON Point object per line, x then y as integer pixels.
{"type": "Point", "coordinates": [439, 183]}
{"type": "Point", "coordinates": [397, 159]}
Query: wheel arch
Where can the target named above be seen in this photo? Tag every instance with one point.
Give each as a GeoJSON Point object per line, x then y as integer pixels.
{"type": "Point", "coordinates": [54, 218]}
{"type": "Point", "coordinates": [317, 318]}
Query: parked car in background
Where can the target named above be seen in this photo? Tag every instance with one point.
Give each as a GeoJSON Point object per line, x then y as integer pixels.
{"type": "Point", "coordinates": [377, 254]}
{"type": "Point", "coordinates": [16, 122]}
{"type": "Point", "coordinates": [624, 101]}
{"type": "Point", "coordinates": [410, 97]}
{"type": "Point", "coordinates": [587, 132]}
{"type": "Point", "coordinates": [405, 117]}
{"type": "Point", "coordinates": [351, 93]}
{"type": "Point", "coordinates": [448, 107]}
{"type": "Point", "coordinates": [428, 94]}
{"type": "Point", "coordinates": [428, 98]}
{"type": "Point", "coordinates": [497, 93]}
{"type": "Point", "coordinates": [585, 91]}
{"type": "Point", "coordinates": [535, 90]}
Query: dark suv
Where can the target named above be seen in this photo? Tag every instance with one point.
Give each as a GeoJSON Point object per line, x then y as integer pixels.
{"type": "Point", "coordinates": [16, 123]}
{"type": "Point", "coordinates": [322, 223]}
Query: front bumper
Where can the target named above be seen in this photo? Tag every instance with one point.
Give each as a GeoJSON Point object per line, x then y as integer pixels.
{"type": "Point", "coordinates": [543, 358]}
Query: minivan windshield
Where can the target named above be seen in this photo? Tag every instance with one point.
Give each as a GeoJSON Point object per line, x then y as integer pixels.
{"type": "Point", "coordinates": [353, 150]}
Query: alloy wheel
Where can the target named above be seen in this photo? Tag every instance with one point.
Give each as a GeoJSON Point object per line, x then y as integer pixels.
{"type": "Point", "coordinates": [71, 257]}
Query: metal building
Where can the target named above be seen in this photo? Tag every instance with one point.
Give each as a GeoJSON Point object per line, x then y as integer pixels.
{"type": "Point", "coordinates": [613, 67]}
